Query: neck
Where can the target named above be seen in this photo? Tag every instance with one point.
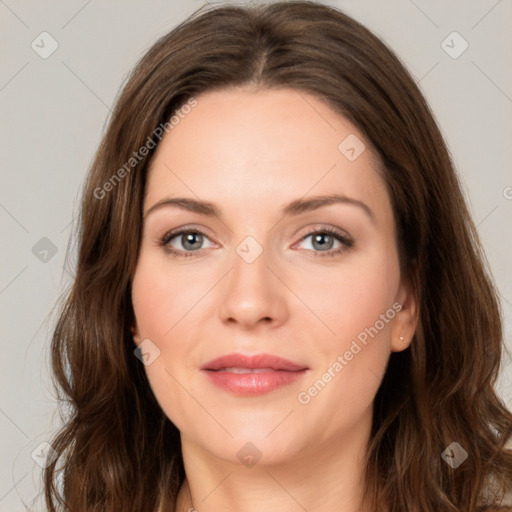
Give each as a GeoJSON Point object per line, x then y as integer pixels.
{"type": "Point", "coordinates": [324, 477]}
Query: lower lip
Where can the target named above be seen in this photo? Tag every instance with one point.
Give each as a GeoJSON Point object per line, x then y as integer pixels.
{"type": "Point", "coordinates": [252, 384]}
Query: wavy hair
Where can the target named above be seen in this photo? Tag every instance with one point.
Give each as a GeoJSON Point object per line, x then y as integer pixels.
{"type": "Point", "coordinates": [117, 450]}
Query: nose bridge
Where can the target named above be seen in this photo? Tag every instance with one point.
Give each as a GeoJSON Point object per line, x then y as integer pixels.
{"type": "Point", "coordinates": [250, 275]}
{"type": "Point", "coordinates": [252, 291]}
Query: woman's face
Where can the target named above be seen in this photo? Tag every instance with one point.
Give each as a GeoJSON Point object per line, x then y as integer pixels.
{"type": "Point", "coordinates": [252, 280]}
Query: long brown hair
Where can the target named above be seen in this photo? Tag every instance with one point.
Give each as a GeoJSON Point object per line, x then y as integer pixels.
{"type": "Point", "coordinates": [117, 451]}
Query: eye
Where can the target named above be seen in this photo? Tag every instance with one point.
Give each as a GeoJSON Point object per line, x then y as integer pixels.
{"type": "Point", "coordinates": [324, 239]}
{"type": "Point", "coordinates": [191, 241]}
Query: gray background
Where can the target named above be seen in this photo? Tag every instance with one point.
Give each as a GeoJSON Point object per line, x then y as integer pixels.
{"type": "Point", "coordinates": [54, 111]}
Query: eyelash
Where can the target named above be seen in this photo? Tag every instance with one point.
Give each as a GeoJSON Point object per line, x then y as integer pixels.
{"type": "Point", "coordinates": [345, 241]}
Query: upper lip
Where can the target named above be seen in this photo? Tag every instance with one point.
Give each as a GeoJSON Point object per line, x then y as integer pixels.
{"type": "Point", "coordinates": [252, 362]}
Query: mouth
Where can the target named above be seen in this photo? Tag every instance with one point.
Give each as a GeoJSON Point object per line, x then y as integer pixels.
{"type": "Point", "coordinates": [252, 375]}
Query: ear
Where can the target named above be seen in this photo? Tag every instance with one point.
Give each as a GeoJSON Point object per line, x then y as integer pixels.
{"type": "Point", "coordinates": [135, 333]}
{"type": "Point", "coordinates": [406, 320]}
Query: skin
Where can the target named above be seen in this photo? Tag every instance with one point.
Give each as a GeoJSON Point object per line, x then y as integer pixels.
{"type": "Point", "coordinates": [251, 152]}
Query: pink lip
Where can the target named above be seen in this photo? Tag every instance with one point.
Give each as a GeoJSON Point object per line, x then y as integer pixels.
{"type": "Point", "coordinates": [257, 361]}
{"type": "Point", "coordinates": [279, 372]}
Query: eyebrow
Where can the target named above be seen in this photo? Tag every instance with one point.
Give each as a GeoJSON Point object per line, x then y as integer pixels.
{"type": "Point", "coordinates": [296, 207]}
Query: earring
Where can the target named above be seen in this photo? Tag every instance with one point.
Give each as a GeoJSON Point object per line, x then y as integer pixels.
{"type": "Point", "coordinates": [401, 338]}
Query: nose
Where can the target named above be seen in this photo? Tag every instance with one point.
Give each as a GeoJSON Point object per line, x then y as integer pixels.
{"type": "Point", "coordinates": [254, 294]}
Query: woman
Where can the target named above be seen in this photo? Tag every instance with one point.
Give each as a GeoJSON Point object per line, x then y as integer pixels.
{"type": "Point", "coordinates": [281, 301]}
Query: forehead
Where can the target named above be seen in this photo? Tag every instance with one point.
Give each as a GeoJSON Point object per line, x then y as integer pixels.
{"type": "Point", "coordinates": [248, 148]}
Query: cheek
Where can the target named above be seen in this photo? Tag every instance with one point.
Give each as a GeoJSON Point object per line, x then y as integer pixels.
{"type": "Point", "coordinates": [357, 306]}
{"type": "Point", "coordinates": [352, 297]}
{"type": "Point", "coordinates": [356, 303]}
{"type": "Point", "coordinates": [160, 298]}
{"type": "Point", "coordinates": [369, 315]}
{"type": "Point", "coordinates": [160, 301]}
